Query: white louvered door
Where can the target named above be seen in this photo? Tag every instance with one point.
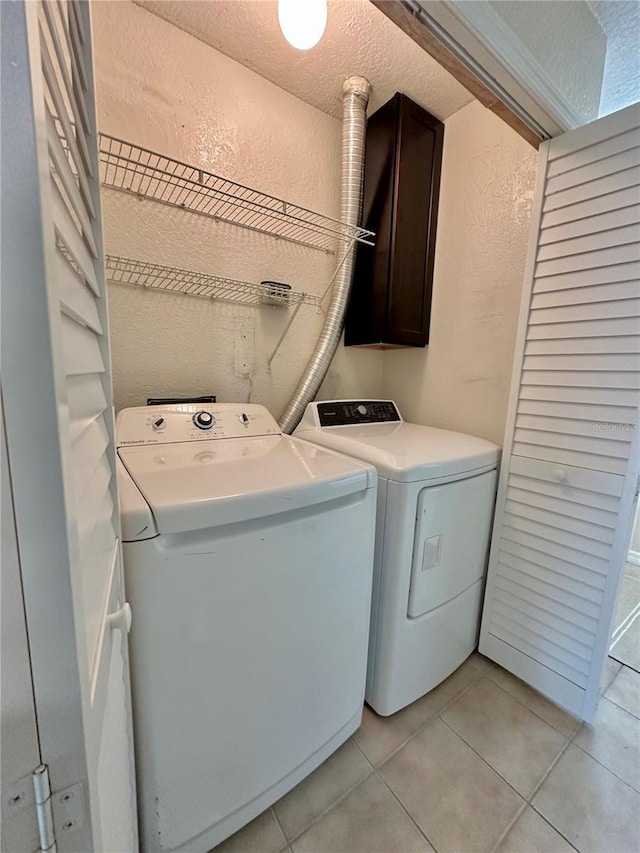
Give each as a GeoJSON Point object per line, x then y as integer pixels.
{"type": "Point", "coordinates": [570, 467]}
{"type": "Point", "coordinates": [60, 430]}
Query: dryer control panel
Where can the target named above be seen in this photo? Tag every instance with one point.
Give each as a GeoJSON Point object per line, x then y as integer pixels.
{"type": "Point", "coordinates": [348, 412]}
{"type": "Point", "coordinates": [192, 422]}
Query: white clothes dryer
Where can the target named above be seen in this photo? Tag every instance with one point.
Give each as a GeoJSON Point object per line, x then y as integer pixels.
{"type": "Point", "coordinates": [436, 495]}
{"type": "Point", "coordinates": [248, 563]}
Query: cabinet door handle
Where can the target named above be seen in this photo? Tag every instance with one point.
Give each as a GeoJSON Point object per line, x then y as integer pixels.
{"type": "Point", "coordinates": [560, 475]}
{"type": "Point", "coordinates": [121, 619]}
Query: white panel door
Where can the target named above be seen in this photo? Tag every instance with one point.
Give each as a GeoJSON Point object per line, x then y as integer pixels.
{"type": "Point", "coordinates": [59, 419]}
{"type": "Point", "coordinates": [570, 466]}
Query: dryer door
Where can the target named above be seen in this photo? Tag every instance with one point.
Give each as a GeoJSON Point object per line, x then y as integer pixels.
{"type": "Point", "coordinates": [451, 541]}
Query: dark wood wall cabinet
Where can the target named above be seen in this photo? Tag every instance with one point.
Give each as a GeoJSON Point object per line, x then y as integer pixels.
{"type": "Point", "coordinates": [390, 302]}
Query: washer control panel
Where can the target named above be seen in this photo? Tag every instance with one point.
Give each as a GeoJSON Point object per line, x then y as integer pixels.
{"type": "Point", "coordinates": [348, 412]}
{"type": "Point", "coordinates": [192, 422]}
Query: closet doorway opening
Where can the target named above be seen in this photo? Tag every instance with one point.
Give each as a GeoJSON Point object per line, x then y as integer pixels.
{"type": "Point", "coordinates": [625, 636]}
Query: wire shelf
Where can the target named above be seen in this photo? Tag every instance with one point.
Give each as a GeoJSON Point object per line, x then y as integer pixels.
{"type": "Point", "coordinates": [137, 170]}
{"type": "Point", "coordinates": [177, 280]}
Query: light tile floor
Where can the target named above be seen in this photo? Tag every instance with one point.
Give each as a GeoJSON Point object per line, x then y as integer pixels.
{"type": "Point", "coordinates": [482, 763]}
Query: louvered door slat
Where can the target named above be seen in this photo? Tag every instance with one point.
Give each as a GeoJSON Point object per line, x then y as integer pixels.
{"type": "Point", "coordinates": [96, 543]}
{"type": "Point", "coordinates": [570, 636]}
{"type": "Point", "coordinates": [588, 379]}
{"type": "Point", "coordinates": [522, 493]}
{"type": "Point", "coordinates": [592, 225]}
{"type": "Point", "coordinates": [624, 141]}
{"type": "Point", "coordinates": [593, 189]}
{"type": "Point", "coordinates": [86, 400]}
{"type": "Point", "coordinates": [577, 618]}
{"type": "Point", "coordinates": [79, 71]}
{"type": "Point", "coordinates": [589, 242]}
{"type": "Point", "coordinates": [92, 492]}
{"type": "Point", "coordinates": [588, 278]}
{"type": "Point", "coordinates": [81, 349]}
{"type": "Point", "coordinates": [77, 24]}
{"type": "Point", "coordinates": [604, 344]}
{"type": "Point", "coordinates": [559, 578]}
{"type": "Point", "coordinates": [592, 207]}
{"type": "Point", "coordinates": [580, 175]}
{"type": "Point", "coordinates": [549, 552]}
{"type": "Point", "coordinates": [85, 397]}
{"type": "Point", "coordinates": [548, 584]}
{"type": "Point", "coordinates": [568, 428]}
{"type": "Point", "coordinates": [63, 171]}
{"type": "Point", "coordinates": [71, 238]}
{"type": "Point", "coordinates": [577, 458]}
{"type": "Point", "coordinates": [519, 504]}
{"type": "Point", "coordinates": [66, 55]}
{"type": "Point", "coordinates": [76, 300]}
{"type": "Point", "coordinates": [536, 643]}
{"type": "Point", "coordinates": [625, 308]}
{"type": "Point", "coordinates": [625, 253]}
{"type": "Point", "coordinates": [580, 443]}
{"type": "Point", "coordinates": [78, 152]}
{"type": "Point", "coordinates": [614, 326]}
{"type": "Point", "coordinates": [582, 295]}
{"type": "Point", "coordinates": [570, 462]}
{"type": "Point", "coordinates": [77, 104]}
{"type": "Point", "coordinates": [87, 451]}
{"type": "Point", "coordinates": [548, 535]}
{"type": "Point", "coordinates": [613, 397]}
{"type": "Point", "coordinates": [575, 408]}
{"type": "Point", "coordinates": [584, 361]}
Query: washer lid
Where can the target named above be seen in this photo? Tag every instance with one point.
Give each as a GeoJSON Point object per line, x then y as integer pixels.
{"type": "Point", "coordinates": [197, 485]}
{"type": "Point", "coordinates": [409, 452]}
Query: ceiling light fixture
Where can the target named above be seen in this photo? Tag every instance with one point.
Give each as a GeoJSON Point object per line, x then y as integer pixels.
{"type": "Point", "coordinates": [302, 22]}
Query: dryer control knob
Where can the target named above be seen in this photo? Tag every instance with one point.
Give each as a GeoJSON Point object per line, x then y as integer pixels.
{"type": "Point", "coordinates": [204, 420]}
{"type": "Point", "coordinates": [362, 410]}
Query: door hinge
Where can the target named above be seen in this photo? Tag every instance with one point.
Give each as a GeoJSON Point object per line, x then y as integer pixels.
{"type": "Point", "coordinates": [44, 811]}
{"type": "Point", "coordinates": [62, 810]}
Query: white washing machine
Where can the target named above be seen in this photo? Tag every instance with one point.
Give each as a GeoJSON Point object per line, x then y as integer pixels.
{"type": "Point", "coordinates": [436, 494]}
{"type": "Point", "coordinates": [248, 562]}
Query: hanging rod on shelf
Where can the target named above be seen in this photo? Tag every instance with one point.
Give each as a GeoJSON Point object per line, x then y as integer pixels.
{"type": "Point", "coordinates": [177, 280]}
{"type": "Point", "coordinates": [130, 168]}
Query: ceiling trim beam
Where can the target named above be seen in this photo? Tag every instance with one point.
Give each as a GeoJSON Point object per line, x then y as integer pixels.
{"type": "Point", "coordinates": [409, 23]}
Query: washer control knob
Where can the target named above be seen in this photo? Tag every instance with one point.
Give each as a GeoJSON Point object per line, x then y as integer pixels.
{"type": "Point", "coordinates": [204, 420]}
{"type": "Point", "coordinates": [244, 419]}
{"type": "Point", "coordinates": [159, 423]}
{"type": "Point", "coordinates": [361, 410]}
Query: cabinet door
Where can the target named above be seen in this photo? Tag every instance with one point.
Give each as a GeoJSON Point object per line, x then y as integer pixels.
{"type": "Point", "coordinates": [415, 207]}
{"type": "Point", "coordinates": [571, 460]}
{"type": "Point", "coordinates": [390, 303]}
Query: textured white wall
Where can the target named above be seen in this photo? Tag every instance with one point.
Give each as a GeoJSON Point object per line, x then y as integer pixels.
{"type": "Point", "coordinates": [461, 380]}
{"type": "Point", "coordinates": [165, 90]}
{"type": "Point", "coordinates": [620, 22]}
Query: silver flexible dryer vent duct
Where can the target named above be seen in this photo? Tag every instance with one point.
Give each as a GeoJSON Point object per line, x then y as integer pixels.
{"type": "Point", "coordinates": [354, 124]}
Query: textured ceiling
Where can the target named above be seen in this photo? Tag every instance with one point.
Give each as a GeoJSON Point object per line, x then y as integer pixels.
{"type": "Point", "coordinates": [359, 39]}
{"type": "Point", "coordinates": [619, 19]}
